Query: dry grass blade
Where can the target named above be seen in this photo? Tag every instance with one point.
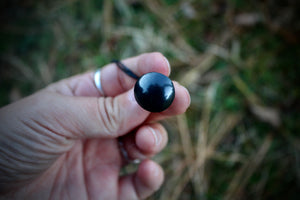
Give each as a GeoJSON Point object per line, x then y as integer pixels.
{"type": "Point", "coordinates": [234, 157]}
{"type": "Point", "coordinates": [229, 122]}
{"type": "Point", "coordinates": [58, 6]}
{"type": "Point", "coordinates": [185, 138]}
{"type": "Point", "coordinates": [106, 30]}
{"type": "Point", "coordinates": [245, 90]}
{"type": "Point", "coordinates": [193, 75]}
{"type": "Point", "coordinates": [267, 114]}
{"type": "Point", "coordinates": [171, 26]}
{"type": "Point", "coordinates": [20, 66]}
{"type": "Point", "coordinates": [201, 148]}
{"type": "Point", "coordinates": [45, 71]}
{"type": "Point", "coordinates": [242, 176]}
{"type": "Point", "coordinates": [145, 39]}
{"type": "Point", "coordinates": [107, 18]}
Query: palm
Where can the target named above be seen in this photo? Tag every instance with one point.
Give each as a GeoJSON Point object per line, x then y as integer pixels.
{"type": "Point", "coordinates": [89, 170]}
{"type": "Point", "coordinates": [94, 165]}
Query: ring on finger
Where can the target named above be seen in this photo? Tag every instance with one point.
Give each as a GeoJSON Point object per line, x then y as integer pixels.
{"type": "Point", "coordinates": [97, 81]}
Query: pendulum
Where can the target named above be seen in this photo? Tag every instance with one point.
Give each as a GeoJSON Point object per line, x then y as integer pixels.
{"type": "Point", "coordinates": [153, 91]}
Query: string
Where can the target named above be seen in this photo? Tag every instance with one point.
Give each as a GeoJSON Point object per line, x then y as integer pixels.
{"type": "Point", "coordinates": [125, 69]}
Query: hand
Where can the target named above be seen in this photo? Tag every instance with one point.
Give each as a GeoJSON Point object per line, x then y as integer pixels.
{"type": "Point", "coordinates": [62, 142]}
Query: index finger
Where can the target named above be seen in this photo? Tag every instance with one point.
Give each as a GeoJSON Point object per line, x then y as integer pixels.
{"type": "Point", "coordinates": [113, 80]}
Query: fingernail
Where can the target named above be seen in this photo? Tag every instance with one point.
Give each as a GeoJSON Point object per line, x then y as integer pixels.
{"type": "Point", "coordinates": [188, 96]}
{"type": "Point", "coordinates": [187, 93]}
{"type": "Point", "coordinates": [169, 66]}
{"type": "Point", "coordinates": [157, 137]}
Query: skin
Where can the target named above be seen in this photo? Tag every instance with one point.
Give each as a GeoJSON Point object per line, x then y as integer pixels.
{"type": "Point", "coordinates": [63, 141]}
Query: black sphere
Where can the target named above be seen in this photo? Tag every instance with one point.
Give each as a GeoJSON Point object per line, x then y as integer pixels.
{"type": "Point", "coordinates": [154, 92]}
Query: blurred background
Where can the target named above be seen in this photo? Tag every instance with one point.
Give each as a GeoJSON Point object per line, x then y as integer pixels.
{"type": "Point", "coordinates": [239, 59]}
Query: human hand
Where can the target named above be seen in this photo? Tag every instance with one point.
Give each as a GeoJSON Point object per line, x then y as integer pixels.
{"type": "Point", "coordinates": [62, 142]}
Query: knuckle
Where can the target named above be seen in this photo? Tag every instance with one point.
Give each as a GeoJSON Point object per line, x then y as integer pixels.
{"type": "Point", "coordinates": [109, 115]}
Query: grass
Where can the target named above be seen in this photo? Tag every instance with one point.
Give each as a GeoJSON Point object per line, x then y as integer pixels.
{"type": "Point", "coordinates": [239, 60]}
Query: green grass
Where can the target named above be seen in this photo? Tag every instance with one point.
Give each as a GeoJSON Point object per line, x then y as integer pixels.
{"type": "Point", "coordinates": [239, 138]}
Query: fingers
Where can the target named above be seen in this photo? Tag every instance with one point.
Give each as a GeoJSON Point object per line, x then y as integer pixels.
{"type": "Point", "coordinates": [82, 86]}
{"type": "Point", "coordinates": [143, 183]}
{"type": "Point", "coordinates": [79, 85]}
{"type": "Point", "coordinates": [147, 141]}
{"type": "Point", "coordinates": [180, 104]}
{"type": "Point", "coordinates": [113, 80]}
{"type": "Point", "coordinates": [108, 117]}
{"type": "Point", "coordinates": [86, 117]}
{"type": "Point", "coordinates": [151, 139]}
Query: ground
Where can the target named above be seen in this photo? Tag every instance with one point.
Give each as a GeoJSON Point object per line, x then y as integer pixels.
{"type": "Point", "coordinates": [239, 59]}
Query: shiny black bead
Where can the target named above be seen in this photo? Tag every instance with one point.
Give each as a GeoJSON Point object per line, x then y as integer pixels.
{"type": "Point", "coordinates": [154, 92]}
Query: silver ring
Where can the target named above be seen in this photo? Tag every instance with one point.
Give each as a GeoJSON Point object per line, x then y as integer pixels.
{"type": "Point", "coordinates": [125, 154]}
{"type": "Point", "coordinates": [97, 81]}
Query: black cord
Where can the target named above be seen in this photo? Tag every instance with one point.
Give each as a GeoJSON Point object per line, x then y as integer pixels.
{"type": "Point", "coordinates": [125, 69]}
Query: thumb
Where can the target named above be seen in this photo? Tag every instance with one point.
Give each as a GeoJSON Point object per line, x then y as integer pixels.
{"type": "Point", "coordinates": [86, 117]}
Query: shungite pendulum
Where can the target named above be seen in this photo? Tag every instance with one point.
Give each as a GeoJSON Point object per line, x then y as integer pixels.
{"type": "Point", "coordinates": [153, 91]}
